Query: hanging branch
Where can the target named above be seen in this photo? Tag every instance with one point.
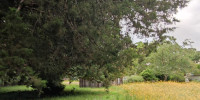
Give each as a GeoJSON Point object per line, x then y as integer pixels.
{"type": "Point", "coordinates": [20, 6]}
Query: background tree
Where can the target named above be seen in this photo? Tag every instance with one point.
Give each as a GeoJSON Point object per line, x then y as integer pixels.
{"type": "Point", "coordinates": [170, 59]}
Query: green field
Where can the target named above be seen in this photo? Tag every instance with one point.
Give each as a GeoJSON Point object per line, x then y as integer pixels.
{"type": "Point", "coordinates": [24, 93]}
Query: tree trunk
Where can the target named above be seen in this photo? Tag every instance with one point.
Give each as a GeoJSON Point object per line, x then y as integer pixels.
{"type": "Point", "coordinates": [165, 77]}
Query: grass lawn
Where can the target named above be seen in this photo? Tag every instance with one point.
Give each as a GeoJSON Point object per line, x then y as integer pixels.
{"type": "Point", "coordinates": [24, 93]}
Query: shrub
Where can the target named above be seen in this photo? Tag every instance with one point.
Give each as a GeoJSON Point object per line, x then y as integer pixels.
{"type": "Point", "coordinates": [177, 77]}
{"type": "Point", "coordinates": [161, 77]}
{"type": "Point", "coordinates": [134, 78]}
{"type": "Point", "coordinates": [37, 84]}
{"type": "Point", "coordinates": [149, 75]}
{"type": "Point", "coordinates": [198, 66]}
{"type": "Point", "coordinates": [53, 87]}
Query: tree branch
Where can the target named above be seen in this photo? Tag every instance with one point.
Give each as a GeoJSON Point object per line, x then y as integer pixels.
{"type": "Point", "coordinates": [20, 6]}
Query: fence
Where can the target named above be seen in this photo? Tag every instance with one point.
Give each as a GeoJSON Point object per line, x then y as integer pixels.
{"type": "Point", "coordinates": [87, 83]}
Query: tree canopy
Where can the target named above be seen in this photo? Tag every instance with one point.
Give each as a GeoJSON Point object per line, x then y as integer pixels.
{"type": "Point", "coordinates": [170, 59]}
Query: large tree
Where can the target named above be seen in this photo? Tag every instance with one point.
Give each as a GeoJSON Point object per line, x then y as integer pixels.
{"type": "Point", "coordinates": [60, 34]}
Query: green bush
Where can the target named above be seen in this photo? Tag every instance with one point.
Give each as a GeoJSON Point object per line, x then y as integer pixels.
{"type": "Point", "coordinates": [148, 75]}
{"type": "Point", "coordinates": [198, 66]}
{"type": "Point", "coordinates": [161, 77]}
{"type": "Point", "coordinates": [53, 87]}
{"type": "Point", "coordinates": [177, 77]}
{"type": "Point", "coordinates": [134, 78]}
{"type": "Point", "coordinates": [37, 84]}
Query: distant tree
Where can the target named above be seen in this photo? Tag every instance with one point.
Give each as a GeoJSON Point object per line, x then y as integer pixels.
{"type": "Point", "coordinates": [193, 54]}
{"type": "Point", "coordinates": [170, 59]}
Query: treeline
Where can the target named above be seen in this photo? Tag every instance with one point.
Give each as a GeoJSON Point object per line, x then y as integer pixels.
{"type": "Point", "coordinates": [169, 61]}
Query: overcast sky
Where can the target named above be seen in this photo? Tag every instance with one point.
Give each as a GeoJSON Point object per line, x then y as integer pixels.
{"type": "Point", "coordinates": [189, 27]}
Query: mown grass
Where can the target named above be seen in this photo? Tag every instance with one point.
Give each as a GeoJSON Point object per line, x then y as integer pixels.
{"type": "Point", "coordinates": [15, 88]}
{"type": "Point", "coordinates": [17, 93]}
{"type": "Point", "coordinates": [164, 91]}
{"type": "Point", "coordinates": [92, 94]}
{"type": "Point", "coordinates": [71, 92]}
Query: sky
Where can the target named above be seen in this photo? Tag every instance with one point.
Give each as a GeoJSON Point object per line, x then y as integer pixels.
{"type": "Point", "coordinates": [189, 27]}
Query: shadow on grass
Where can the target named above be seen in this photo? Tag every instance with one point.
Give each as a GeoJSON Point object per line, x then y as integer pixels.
{"type": "Point", "coordinates": [71, 92]}
{"type": "Point", "coordinates": [32, 95]}
{"type": "Point", "coordinates": [19, 95]}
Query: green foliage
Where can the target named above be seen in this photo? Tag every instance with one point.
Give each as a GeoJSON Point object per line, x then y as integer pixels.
{"type": "Point", "coordinates": [198, 66]}
{"type": "Point", "coordinates": [170, 59]}
{"type": "Point", "coordinates": [134, 78]}
{"type": "Point", "coordinates": [149, 75]}
{"type": "Point", "coordinates": [161, 77]}
{"type": "Point", "coordinates": [196, 56]}
{"type": "Point", "coordinates": [196, 71]}
{"type": "Point", "coordinates": [14, 50]}
{"type": "Point", "coordinates": [37, 84]}
{"type": "Point", "coordinates": [177, 77]}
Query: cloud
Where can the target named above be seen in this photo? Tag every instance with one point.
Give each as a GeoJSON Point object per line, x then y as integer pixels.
{"type": "Point", "coordinates": [189, 27]}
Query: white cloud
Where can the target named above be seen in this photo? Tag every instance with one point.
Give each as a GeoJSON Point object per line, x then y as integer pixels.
{"type": "Point", "coordinates": [189, 27]}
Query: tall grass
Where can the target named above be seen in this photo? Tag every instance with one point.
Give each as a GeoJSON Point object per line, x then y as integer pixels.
{"type": "Point", "coordinates": [164, 91]}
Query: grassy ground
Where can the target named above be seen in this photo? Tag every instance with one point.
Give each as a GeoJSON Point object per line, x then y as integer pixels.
{"type": "Point", "coordinates": [164, 90]}
{"type": "Point", "coordinates": [24, 93]}
{"type": "Point", "coordinates": [17, 93]}
{"type": "Point", "coordinates": [134, 91]}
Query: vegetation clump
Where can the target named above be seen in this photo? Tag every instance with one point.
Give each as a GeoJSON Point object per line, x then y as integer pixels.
{"type": "Point", "coordinates": [134, 78]}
